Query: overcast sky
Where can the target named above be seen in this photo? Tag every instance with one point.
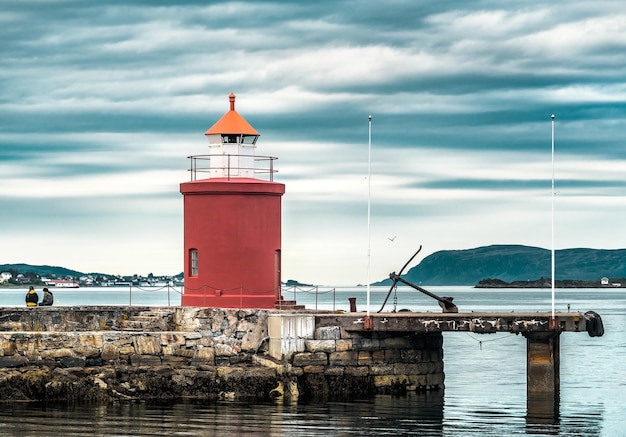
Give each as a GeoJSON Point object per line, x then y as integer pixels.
{"type": "Point", "coordinates": [101, 103]}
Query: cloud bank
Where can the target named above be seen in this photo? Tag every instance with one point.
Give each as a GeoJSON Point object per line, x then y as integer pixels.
{"type": "Point", "coordinates": [101, 105]}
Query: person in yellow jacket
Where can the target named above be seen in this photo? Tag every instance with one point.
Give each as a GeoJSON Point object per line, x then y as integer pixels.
{"type": "Point", "coordinates": [31, 297]}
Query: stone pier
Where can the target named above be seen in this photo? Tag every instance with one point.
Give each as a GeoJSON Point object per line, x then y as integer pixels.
{"type": "Point", "coordinates": [103, 354]}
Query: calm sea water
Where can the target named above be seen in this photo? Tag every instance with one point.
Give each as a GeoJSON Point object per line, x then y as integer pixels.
{"type": "Point", "coordinates": [485, 379]}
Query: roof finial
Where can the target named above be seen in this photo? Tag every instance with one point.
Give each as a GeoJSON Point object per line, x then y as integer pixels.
{"type": "Point", "coordinates": [232, 101]}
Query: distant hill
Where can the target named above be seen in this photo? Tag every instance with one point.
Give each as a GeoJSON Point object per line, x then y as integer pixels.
{"type": "Point", "coordinates": [514, 263]}
{"type": "Point", "coordinates": [40, 270]}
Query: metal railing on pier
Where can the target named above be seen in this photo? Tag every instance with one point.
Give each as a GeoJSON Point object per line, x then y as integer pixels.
{"type": "Point", "coordinates": [292, 292]}
{"type": "Point", "coordinates": [310, 290]}
{"type": "Point", "coordinates": [171, 289]}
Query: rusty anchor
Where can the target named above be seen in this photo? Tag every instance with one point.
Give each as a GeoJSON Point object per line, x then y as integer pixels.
{"type": "Point", "coordinates": [444, 302]}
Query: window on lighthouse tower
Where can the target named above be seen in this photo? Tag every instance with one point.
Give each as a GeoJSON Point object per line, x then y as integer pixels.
{"type": "Point", "coordinates": [242, 139]}
{"type": "Point", "coordinates": [193, 262]}
{"type": "Point", "coordinates": [249, 139]}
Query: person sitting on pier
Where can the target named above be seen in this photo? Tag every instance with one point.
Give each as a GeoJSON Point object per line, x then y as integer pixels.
{"type": "Point", "coordinates": [32, 297]}
{"type": "Point", "coordinates": [48, 298]}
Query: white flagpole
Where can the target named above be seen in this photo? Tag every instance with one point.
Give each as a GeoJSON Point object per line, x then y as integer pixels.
{"type": "Point", "coordinates": [369, 201]}
{"type": "Point", "coordinates": [553, 264]}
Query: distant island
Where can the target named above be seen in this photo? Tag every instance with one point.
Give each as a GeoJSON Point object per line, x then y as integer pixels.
{"type": "Point", "coordinates": [547, 283]}
{"type": "Point", "coordinates": [294, 283]}
{"type": "Point", "coordinates": [516, 264]}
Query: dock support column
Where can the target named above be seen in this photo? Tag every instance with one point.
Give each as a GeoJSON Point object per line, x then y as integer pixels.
{"type": "Point", "coordinates": [543, 363]}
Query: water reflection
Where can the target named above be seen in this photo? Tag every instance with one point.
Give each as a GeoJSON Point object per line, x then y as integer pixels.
{"type": "Point", "coordinates": [544, 418]}
{"type": "Point", "coordinates": [379, 416]}
{"type": "Point", "coordinates": [542, 409]}
{"type": "Point", "coordinates": [413, 414]}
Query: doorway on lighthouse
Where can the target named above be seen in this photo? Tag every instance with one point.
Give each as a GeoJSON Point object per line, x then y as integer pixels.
{"type": "Point", "coordinates": [277, 274]}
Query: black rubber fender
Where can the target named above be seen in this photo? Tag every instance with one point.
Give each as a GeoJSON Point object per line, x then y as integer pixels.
{"type": "Point", "coordinates": [595, 327]}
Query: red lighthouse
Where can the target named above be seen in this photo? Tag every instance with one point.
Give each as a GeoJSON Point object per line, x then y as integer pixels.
{"type": "Point", "coordinates": [232, 221]}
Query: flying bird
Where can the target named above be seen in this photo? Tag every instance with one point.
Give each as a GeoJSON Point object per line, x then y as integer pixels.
{"type": "Point", "coordinates": [392, 238]}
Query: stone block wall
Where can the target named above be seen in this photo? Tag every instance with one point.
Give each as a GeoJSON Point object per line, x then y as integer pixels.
{"type": "Point", "coordinates": [331, 359]}
{"type": "Point", "coordinates": [105, 353]}
{"type": "Point", "coordinates": [67, 337]}
{"type": "Point", "coordinates": [388, 362]}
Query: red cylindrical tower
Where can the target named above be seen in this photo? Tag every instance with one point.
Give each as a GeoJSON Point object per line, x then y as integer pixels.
{"type": "Point", "coordinates": [232, 222]}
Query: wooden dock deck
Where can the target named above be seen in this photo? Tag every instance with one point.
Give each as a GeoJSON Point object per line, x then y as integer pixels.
{"type": "Point", "coordinates": [477, 322]}
{"type": "Point", "coordinates": [541, 330]}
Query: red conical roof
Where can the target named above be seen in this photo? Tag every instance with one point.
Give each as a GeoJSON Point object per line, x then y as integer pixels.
{"type": "Point", "coordinates": [232, 123]}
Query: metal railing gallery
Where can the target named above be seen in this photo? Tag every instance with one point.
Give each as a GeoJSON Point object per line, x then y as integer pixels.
{"type": "Point", "coordinates": [264, 165]}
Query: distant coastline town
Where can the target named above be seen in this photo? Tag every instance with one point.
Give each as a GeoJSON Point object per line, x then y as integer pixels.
{"type": "Point", "coordinates": [13, 278]}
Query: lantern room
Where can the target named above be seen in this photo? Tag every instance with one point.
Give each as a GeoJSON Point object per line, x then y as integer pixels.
{"type": "Point", "coordinates": [231, 145]}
